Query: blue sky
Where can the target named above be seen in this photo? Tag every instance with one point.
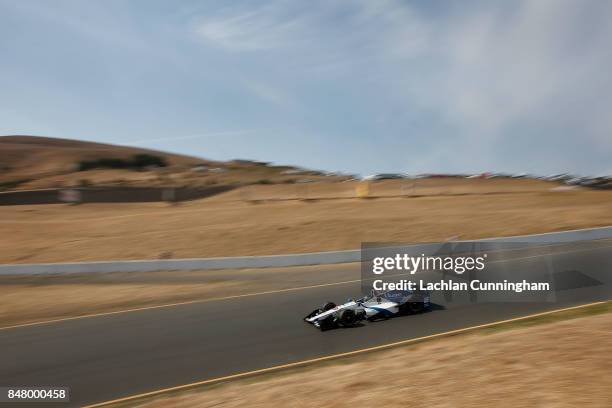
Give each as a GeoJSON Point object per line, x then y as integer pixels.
{"type": "Point", "coordinates": [358, 86]}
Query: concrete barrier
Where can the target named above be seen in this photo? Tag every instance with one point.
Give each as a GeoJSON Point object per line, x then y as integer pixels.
{"type": "Point", "coordinates": [115, 194]}
{"type": "Point", "coordinates": [267, 261]}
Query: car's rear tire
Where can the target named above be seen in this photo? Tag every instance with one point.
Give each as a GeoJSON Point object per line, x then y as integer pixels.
{"type": "Point", "coordinates": [415, 307]}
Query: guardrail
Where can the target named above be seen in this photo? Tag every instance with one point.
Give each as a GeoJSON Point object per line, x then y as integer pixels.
{"type": "Point", "coordinates": [266, 261]}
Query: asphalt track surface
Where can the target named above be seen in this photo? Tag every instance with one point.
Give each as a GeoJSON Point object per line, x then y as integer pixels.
{"type": "Point", "coordinates": [112, 356]}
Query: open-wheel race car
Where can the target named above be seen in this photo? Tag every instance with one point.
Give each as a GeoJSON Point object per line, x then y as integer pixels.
{"type": "Point", "coordinates": [377, 305]}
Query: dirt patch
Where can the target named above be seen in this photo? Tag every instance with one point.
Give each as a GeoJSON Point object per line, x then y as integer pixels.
{"type": "Point", "coordinates": [562, 364]}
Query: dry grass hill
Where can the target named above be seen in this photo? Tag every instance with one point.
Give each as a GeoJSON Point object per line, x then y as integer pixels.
{"type": "Point", "coordinates": [28, 162]}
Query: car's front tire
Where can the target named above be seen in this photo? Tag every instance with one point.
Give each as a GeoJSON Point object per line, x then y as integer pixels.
{"type": "Point", "coordinates": [328, 306]}
{"type": "Point", "coordinates": [327, 323]}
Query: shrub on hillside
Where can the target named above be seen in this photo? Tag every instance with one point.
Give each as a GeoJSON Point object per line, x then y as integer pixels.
{"type": "Point", "coordinates": [136, 162]}
{"type": "Point", "coordinates": [145, 160]}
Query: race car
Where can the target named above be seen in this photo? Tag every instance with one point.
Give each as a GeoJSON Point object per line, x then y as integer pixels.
{"type": "Point", "coordinates": [377, 305]}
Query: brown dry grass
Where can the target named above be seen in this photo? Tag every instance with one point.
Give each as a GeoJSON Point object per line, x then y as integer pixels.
{"type": "Point", "coordinates": [444, 186]}
{"type": "Point", "coordinates": [34, 158]}
{"type": "Point", "coordinates": [562, 364]}
{"type": "Point", "coordinates": [226, 226]}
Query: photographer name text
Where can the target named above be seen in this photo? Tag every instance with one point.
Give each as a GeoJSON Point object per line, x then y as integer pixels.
{"type": "Point", "coordinates": [474, 285]}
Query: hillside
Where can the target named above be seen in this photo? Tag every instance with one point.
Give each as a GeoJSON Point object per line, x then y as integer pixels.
{"type": "Point", "coordinates": [28, 162]}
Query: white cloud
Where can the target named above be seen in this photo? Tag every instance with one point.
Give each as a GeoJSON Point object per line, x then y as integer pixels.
{"type": "Point", "coordinates": [491, 71]}
{"type": "Point", "coordinates": [250, 29]}
{"type": "Point", "coordinates": [203, 135]}
{"type": "Point", "coordinates": [268, 93]}
{"type": "Point", "coordinates": [486, 70]}
{"type": "Point", "coordinates": [497, 85]}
